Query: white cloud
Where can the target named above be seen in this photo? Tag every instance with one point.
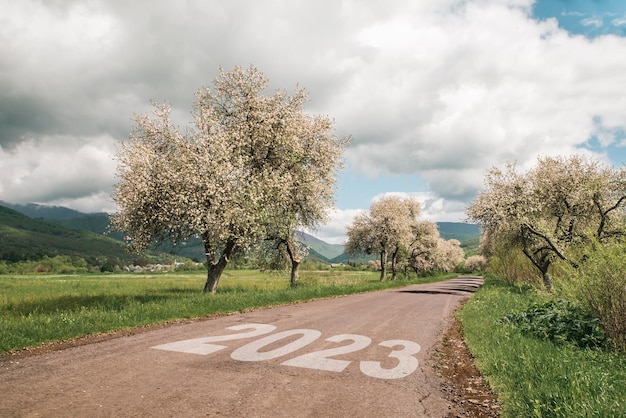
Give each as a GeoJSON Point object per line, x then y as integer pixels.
{"type": "Point", "coordinates": [55, 170]}
{"type": "Point", "coordinates": [95, 202]}
{"type": "Point", "coordinates": [592, 21]}
{"type": "Point", "coordinates": [619, 21]}
{"type": "Point", "coordinates": [439, 90]}
{"type": "Point", "coordinates": [478, 88]}
{"type": "Point", "coordinates": [334, 231]}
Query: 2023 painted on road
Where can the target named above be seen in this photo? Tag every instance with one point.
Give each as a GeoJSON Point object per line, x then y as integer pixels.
{"type": "Point", "coordinates": [402, 350]}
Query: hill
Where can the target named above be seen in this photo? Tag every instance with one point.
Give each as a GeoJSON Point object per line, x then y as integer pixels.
{"type": "Point", "coordinates": [329, 251]}
{"type": "Point", "coordinates": [35, 211]}
{"type": "Point", "coordinates": [458, 230]}
{"type": "Point", "coordinates": [24, 238]}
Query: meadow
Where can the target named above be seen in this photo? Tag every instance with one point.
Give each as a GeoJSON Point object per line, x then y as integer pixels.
{"type": "Point", "coordinates": [551, 371]}
{"type": "Point", "coordinates": [35, 309]}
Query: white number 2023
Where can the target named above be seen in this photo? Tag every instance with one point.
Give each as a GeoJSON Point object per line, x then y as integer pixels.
{"type": "Point", "coordinates": [403, 350]}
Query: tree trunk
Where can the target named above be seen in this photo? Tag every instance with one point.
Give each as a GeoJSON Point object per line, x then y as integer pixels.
{"type": "Point", "coordinates": [215, 268]}
{"type": "Point", "coordinates": [295, 263]}
{"type": "Point", "coordinates": [547, 280]}
{"type": "Point", "coordinates": [383, 265]}
{"type": "Point", "coordinates": [542, 261]}
{"type": "Point", "coordinates": [295, 275]}
{"type": "Point", "coordinates": [213, 275]}
{"type": "Point", "coordinates": [394, 264]}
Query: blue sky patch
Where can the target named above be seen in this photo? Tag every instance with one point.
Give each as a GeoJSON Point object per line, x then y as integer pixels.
{"type": "Point", "coordinates": [591, 18]}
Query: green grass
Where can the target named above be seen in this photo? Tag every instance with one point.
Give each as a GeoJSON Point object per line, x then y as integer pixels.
{"type": "Point", "coordinates": [535, 377]}
{"type": "Point", "coordinates": [35, 309]}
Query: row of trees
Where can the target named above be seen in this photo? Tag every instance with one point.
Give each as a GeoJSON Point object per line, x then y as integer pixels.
{"type": "Point", "coordinates": [254, 168]}
{"type": "Point", "coordinates": [392, 230]}
{"type": "Point", "coordinates": [567, 216]}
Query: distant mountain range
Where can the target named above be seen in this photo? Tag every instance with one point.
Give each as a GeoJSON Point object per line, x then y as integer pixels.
{"type": "Point", "coordinates": [25, 238]}
{"type": "Point", "coordinates": [35, 211]}
{"type": "Point", "coordinates": [326, 250]}
{"type": "Point", "coordinates": [52, 230]}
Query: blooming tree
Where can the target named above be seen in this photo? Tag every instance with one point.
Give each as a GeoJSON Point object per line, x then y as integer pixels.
{"type": "Point", "coordinates": [448, 255]}
{"type": "Point", "coordinates": [423, 247]}
{"type": "Point", "coordinates": [429, 252]}
{"type": "Point", "coordinates": [475, 263]}
{"type": "Point", "coordinates": [386, 229]}
{"type": "Point", "coordinates": [562, 202]}
{"type": "Point", "coordinates": [253, 165]}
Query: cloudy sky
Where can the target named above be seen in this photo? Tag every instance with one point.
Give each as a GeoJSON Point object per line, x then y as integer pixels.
{"type": "Point", "coordinates": [433, 93]}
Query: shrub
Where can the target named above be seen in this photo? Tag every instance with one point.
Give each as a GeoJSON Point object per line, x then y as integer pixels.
{"type": "Point", "coordinates": [373, 265]}
{"type": "Point", "coordinates": [107, 267]}
{"type": "Point", "coordinates": [559, 321]}
{"type": "Point", "coordinates": [40, 268]}
{"type": "Point", "coordinates": [533, 377]}
{"type": "Point", "coordinates": [60, 264]}
{"type": "Point", "coordinates": [188, 265]}
{"type": "Point", "coordinates": [511, 265]}
{"type": "Point", "coordinates": [601, 283]}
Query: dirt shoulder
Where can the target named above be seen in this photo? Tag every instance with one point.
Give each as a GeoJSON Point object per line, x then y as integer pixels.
{"type": "Point", "coordinates": [464, 385]}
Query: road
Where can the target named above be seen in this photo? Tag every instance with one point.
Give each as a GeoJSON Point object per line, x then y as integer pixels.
{"type": "Point", "coordinates": [365, 355]}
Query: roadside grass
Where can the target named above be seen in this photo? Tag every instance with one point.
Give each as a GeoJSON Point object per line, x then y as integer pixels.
{"type": "Point", "coordinates": [35, 309]}
{"type": "Point", "coordinates": [536, 377]}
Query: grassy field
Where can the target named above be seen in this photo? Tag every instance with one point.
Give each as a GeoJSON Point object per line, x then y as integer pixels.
{"type": "Point", "coordinates": [534, 377]}
{"type": "Point", "coordinates": [35, 309]}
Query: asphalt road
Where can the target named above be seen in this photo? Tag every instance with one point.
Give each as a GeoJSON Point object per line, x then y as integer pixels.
{"type": "Point", "coordinates": [366, 355]}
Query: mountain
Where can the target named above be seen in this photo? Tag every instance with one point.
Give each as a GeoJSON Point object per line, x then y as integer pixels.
{"type": "Point", "coordinates": [322, 248]}
{"type": "Point", "coordinates": [458, 230]}
{"type": "Point", "coordinates": [33, 210]}
{"type": "Point", "coordinates": [24, 238]}
{"type": "Point", "coordinates": [98, 223]}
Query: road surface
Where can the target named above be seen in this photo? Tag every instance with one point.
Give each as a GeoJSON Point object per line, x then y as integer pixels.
{"type": "Point", "coordinates": [365, 355]}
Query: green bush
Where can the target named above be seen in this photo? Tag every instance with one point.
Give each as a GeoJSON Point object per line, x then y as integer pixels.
{"type": "Point", "coordinates": [559, 321]}
{"type": "Point", "coordinates": [310, 265]}
{"type": "Point", "coordinates": [512, 266]}
{"type": "Point", "coordinates": [189, 265]}
{"type": "Point", "coordinates": [60, 264]}
{"type": "Point", "coordinates": [600, 281]}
